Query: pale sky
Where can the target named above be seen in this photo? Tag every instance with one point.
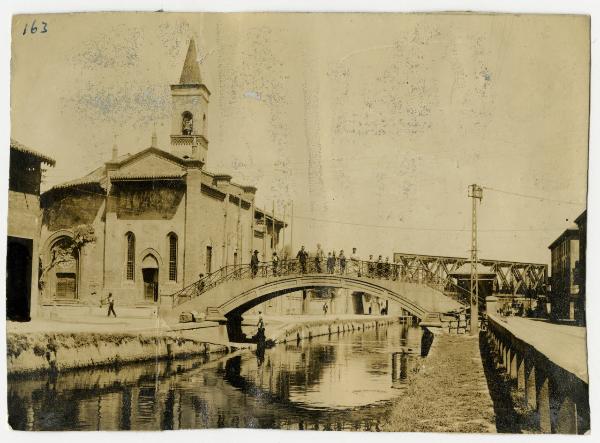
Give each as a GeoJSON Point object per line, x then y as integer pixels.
{"type": "Point", "coordinates": [378, 121]}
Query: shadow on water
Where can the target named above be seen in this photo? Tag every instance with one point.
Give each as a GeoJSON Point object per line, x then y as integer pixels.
{"type": "Point", "coordinates": [426, 342]}
{"type": "Point", "coordinates": [507, 419]}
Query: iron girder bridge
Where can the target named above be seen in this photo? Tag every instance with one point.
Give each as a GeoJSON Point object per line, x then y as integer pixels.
{"type": "Point", "coordinates": [508, 277]}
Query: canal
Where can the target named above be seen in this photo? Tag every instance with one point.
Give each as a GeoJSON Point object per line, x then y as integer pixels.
{"type": "Point", "coordinates": [344, 381]}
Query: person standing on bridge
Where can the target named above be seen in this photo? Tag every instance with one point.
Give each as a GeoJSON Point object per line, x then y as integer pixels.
{"type": "Point", "coordinates": [330, 262]}
{"type": "Point", "coordinates": [319, 258]}
{"type": "Point", "coordinates": [254, 263]}
{"type": "Point", "coordinates": [380, 267]}
{"type": "Point", "coordinates": [342, 258]}
{"type": "Point", "coordinates": [371, 267]}
{"type": "Point", "coordinates": [302, 257]}
{"type": "Point", "coordinates": [275, 261]}
{"type": "Point", "coordinates": [200, 284]}
{"type": "Point", "coordinates": [355, 260]}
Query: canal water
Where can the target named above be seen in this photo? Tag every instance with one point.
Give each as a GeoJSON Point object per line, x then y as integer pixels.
{"type": "Point", "coordinates": [340, 382]}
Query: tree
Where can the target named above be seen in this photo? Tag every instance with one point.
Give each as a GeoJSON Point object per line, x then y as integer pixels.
{"type": "Point", "coordinates": [66, 249]}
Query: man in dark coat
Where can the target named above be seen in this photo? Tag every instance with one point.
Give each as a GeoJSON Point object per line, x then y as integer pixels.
{"type": "Point", "coordinates": [254, 263]}
{"type": "Point", "coordinates": [302, 257]}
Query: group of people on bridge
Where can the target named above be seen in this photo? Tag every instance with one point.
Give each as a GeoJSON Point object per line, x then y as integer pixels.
{"type": "Point", "coordinates": [330, 264]}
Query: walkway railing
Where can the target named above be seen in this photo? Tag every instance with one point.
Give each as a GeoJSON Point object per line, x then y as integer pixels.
{"type": "Point", "coordinates": [294, 267]}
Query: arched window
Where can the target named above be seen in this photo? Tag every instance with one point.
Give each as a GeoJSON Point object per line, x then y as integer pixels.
{"type": "Point", "coordinates": [172, 256]}
{"type": "Point", "coordinates": [130, 268]}
{"type": "Point", "coordinates": [187, 123]}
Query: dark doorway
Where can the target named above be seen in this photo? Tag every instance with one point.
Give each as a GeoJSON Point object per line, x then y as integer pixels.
{"type": "Point", "coordinates": [357, 303]}
{"type": "Point", "coordinates": [18, 278]}
{"type": "Point", "coordinates": [150, 276]}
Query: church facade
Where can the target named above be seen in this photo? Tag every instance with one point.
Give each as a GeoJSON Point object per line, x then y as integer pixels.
{"type": "Point", "coordinates": [146, 225]}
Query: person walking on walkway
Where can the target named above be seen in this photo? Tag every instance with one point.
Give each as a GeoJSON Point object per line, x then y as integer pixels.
{"type": "Point", "coordinates": [319, 258]}
{"type": "Point", "coordinates": [110, 301]}
{"type": "Point", "coordinates": [342, 258]}
{"type": "Point", "coordinates": [275, 261]}
{"type": "Point", "coordinates": [325, 308]}
{"type": "Point", "coordinates": [254, 263]}
{"type": "Point", "coordinates": [302, 257]}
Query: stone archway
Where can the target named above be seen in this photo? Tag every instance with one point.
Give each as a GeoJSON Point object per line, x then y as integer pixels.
{"type": "Point", "coordinates": [60, 269]}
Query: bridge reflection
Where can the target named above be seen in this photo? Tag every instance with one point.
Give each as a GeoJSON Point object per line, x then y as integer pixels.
{"type": "Point", "coordinates": [324, 384]}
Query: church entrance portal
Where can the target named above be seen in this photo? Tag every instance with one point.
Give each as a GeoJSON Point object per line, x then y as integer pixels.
{"type": "Point", "coordinates": [150, 277]}
{"type": "Point", "coordinates": [150, 284]}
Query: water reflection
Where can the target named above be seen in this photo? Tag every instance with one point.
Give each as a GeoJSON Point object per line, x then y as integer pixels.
{"type": "Point", "coordinates": [343, 381]}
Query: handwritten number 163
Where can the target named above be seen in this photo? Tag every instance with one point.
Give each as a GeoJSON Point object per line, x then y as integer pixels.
{"type": "Point", "coordinates": [33, 28]}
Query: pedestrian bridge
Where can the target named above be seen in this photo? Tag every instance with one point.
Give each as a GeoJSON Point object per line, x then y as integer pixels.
{"type": "Point", "coordinates": [229, 292]}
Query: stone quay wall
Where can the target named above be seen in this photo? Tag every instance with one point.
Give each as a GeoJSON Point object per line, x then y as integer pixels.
{"type": "Point", "coordinates": [50, 352]}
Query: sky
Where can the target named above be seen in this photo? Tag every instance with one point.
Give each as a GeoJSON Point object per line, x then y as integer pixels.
{"type": "Point", "coordinates": [372, 124]}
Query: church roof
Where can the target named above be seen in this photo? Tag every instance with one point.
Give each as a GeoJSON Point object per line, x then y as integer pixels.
{"type": "Point", "coordinates": [147, 176]}
{"type": "Point", "coordinates": [98, 175]}
{"type": "Point", "coordinates": [94, 177]}
{"type": "Point", "coordinates": [190, 74]}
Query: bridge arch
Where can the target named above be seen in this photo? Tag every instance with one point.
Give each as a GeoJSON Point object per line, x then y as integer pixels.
{"type": "Point", "coordinates": [261, 291]}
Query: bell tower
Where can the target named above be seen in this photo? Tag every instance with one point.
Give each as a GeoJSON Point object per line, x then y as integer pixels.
{"type": "Point", "coordinates": [190, 110]}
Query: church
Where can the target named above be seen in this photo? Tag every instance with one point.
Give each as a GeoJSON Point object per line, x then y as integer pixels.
{"type": "Point", "coordinates": [143, 226]}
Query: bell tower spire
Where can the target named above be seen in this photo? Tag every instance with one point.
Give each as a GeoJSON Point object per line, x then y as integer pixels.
{"type": "Point", "coordinates": [190, 99]}
{"type": "Point", "coordinates": [190, 74]}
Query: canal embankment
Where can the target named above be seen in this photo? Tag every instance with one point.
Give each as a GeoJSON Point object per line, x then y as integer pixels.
{"type": "Point", "coordinates": [542, 370]}
{"type": "Point", "coordinates": [29, 353]}
{"type": "Point", "coordinates": [285, 330]}
{"type": "Point", "coordinates": [448, 392]}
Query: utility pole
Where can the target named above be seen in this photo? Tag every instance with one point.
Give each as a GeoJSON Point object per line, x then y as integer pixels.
{"type": "Point", "coordinates": [292, 232]}
{"type": "Point", "coordinates": [238, 229]}
{"type": "Point", "coordinates": [475, 193]}
{"type": "Point", "coordinates": [283, 232]}
{"type": "Point", "coordinates": [264, 240]}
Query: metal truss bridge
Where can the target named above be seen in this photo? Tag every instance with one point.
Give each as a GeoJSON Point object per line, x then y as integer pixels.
{"type": "Point", "coordinates": [507, 277]}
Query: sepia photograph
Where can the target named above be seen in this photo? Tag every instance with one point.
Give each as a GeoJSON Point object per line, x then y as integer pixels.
{"type": "Point", "coordinates": [303, 221]}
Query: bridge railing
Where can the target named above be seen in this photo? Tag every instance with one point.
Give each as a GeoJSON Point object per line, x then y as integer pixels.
{"type": "Point", "coordinates": [282, 268]}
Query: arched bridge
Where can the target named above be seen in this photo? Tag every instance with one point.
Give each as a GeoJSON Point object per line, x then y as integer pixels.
{"type": "Point", "coordinates": [226, 294]}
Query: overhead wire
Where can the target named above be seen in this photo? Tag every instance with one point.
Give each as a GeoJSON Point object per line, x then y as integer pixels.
{"type": "Point", "coordinates": [535, 197]}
